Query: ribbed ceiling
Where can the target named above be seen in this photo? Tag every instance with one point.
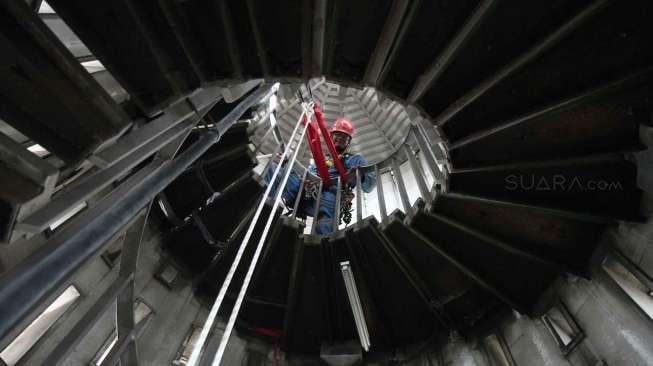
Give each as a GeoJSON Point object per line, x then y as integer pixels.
{"type": "Point", "coordinates": [381, 124]}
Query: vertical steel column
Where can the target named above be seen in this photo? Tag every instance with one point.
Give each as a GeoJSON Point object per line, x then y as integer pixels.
{"type": "Point", "coordinates": [359, 198]}
{"type": "Point", "coordinates": [263, 139]}
{"type": "Point", "coordinates": [316, 212]}
{"type": "Point", "coordinates": [336, 208]}
{"type": "Point", "coordinates": [379, 193]}
{"type": "Point", "coordinates": [428, 155]}
{"type": "Point", "coordinates": [269, 162]}
{"type": "Point", "coordinates": [84, 325]}
{"type": "Point", "coordinates": [125, 302]}
{"type": "Point", "coordinates": [120, 347]}
{"type": "Point", "coordinates": [417, 171]}
{"type": "Point", "coordinates": [401, 187]}
{"type": "Point", "coordinates": [300, 193]}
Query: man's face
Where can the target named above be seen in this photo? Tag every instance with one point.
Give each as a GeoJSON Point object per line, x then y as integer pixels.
{"type": "Point", "coordinates": [340, 140]}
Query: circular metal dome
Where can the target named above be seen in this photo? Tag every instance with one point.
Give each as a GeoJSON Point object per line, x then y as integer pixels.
{"type": "Point", "coordinates": [381, 124]}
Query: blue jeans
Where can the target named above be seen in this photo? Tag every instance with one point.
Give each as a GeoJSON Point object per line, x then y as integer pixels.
{"type": "Point", "coordinates": [327, 201]}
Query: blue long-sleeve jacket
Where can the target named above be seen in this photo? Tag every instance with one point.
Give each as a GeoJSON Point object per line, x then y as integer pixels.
{"type": "Point", "coordinates": [328, 197]}
{"type": "Point", "coordinates": [368, 179]}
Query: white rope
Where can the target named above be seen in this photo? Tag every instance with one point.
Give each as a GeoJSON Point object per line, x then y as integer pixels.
{"type": "Point", "coordinates": [208, 324]}
{"type": "Point", "coordinates": [257, 253]}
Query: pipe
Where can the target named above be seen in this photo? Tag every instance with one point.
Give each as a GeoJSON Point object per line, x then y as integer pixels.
{"type": "Point", "coordinates": [24, 287]}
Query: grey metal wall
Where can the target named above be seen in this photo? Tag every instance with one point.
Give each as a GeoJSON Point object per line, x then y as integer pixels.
{"type": "Point", "coordinates": [381, 123]}
{"type": "Point", "coordinates": [617, 332]}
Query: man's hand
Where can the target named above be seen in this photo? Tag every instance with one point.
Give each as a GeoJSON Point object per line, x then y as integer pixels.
{"type": "Point", "coordinates": [277, 158]}
{"type": "Point", "coordinates": [310, 185]}
{"type": "Point", "coordinates": [351, 175]}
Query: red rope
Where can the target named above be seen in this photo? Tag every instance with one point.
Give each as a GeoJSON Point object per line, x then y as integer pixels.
{"type": "Point", "coordinates": [275, 334]}
{"type": "Point", "coordinates": [329, 143]}
{"type": "Point", "coordinates": [313, 139]}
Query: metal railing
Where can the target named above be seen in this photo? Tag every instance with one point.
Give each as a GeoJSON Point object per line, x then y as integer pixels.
{"type": "Point", "coordinates": [414, 169]}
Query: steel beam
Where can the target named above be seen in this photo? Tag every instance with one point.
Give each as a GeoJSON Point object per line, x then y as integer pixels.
{"type": "Point", "coordinates": [380, 194]}
{"type": "Point", "coordinates": [412, 275]}
{"type": "Point", "coordinates": [615, 156]}
{"type": "Point", "coordinates": [319, 24]}
{"type": "Point", "coordinates": [431, 161]}
{"type": "Point", "coordinates": [258, 40]}
{"type": "Point", "coordinates": [241, 225]}
{"type": "Point", "coordinates": [401, 187]}
{"type": "Point", "coordinates": [240, 180]}
{"type": "Point", "coordinates": [172, 116]}
{"type": "Point", "coordinates": [435, 70]}
{"type": "Point", "coordinates": [16, 157]}
{"type": "Point", "coordinates": [235, 92]}
{"type": "Point", "coordinates": [470, 273]}
{"type": "Point", "coordinates": [337, 206]}
{"type": "Point", "coordinates": [169, 211]}
{"type": "Point", "coordinates": [203, 229]}
{"type": "Point", "coordinates": [125, 301]}
{"type": "Point", "coordinates": [401, 35]}
{"type": "Point", "coordinates": [409, 271]}
{"type": "Point", "coordinates": [232, 43]}
{"type": "Point", "coordinates": [30, 171]}
{"type": "Point", "coordinates": [566, 104]}
{"type": "Point", "coordinates": [552, 211]}
{"type": "Point", "coordinates": [122, 344]}
{"type": "Point", "coordinates": [294, 283]}
{"type": "Point", "coordinates": [52, 265]}
{"type": "Point", "coordinates": [78, 116]}
{"type": "Point", "coordinates": [306, 20]}
{"type": "Point", "coordinates": [359, 198]}
{"type": "Point", "coordinates": [227, 155]}
{"type": "Point", "coordinates": [263, 139]}
{"type": "Point", "coordinates": [547, 43]}
{"type": "Point", "coordinates": [94, 183]}
{"type": "Point", "coordinates": [37, 272]}
{"type": "Point", "coordinates": [417, 171]}
{"type": "Point", "coordinates": [171, 10]}
{"type": "Point", "coordinates": [300, 195]}
{"type": "Point", "coordinates": [316, 212]}
{"type": "Point", "coordinates": [161, 58]}
{"type": "Point", "coordinates": [501, 245]}
{"type": "Point", "coordinates": [88, 321]}
{"type": "Point", "coordinates": [385, 41]}
{"type": "Point", "coordinates": [330, 37]}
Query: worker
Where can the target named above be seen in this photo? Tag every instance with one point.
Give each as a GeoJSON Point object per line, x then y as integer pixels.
{"type": "Point", "coordinates": [341, 134]}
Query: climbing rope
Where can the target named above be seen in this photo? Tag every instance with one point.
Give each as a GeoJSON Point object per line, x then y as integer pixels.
{"type": "Point", "coordinates": [208, 324]}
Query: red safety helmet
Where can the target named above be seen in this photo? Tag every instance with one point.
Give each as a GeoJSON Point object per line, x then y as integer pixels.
{"type": "Point", "coordinates": [343, 125]}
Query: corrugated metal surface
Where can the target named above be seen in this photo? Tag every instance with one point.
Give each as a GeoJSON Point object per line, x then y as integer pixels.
{"type": "Point", "coordinates": [381, 124]}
